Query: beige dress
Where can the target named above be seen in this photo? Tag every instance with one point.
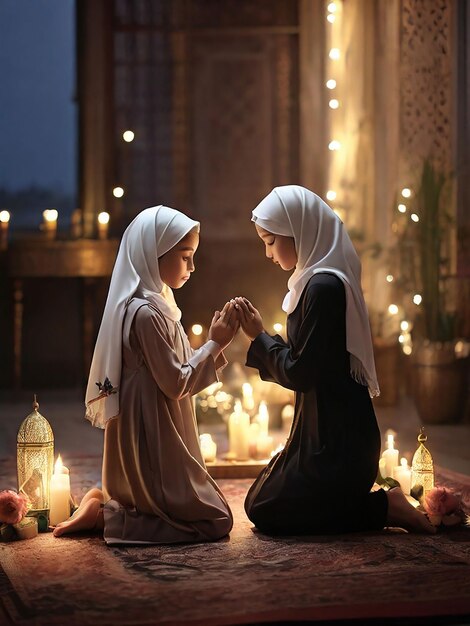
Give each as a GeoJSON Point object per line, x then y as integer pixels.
{"type": "Point", "coordinates": [156, 486]}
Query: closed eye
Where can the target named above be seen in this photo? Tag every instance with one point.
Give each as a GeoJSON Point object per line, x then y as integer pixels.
{"type": "Point", "coordinates": [270, 243]}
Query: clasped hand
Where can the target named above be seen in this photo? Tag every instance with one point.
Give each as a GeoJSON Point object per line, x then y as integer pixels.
{"type": "Point", "coordinates": [237, 312]}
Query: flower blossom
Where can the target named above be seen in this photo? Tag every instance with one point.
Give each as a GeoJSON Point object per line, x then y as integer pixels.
{"type": "Point", "coordinates": [13, 506]}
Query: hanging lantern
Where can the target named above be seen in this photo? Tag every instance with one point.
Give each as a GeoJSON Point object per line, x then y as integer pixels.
{"type": "Point", "coordinates": [422, 468]}
{"type": "Point", "coordinates": [35, 458]}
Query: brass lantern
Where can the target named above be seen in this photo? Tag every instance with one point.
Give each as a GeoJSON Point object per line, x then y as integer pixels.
{"type": "Point", "coordinates": [35, 459]}
{"type": "Point", "coordinates": [422, 467]}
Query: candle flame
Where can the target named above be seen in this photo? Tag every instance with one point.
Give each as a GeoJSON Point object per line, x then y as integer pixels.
{"type": "Point", "coordinates": [58, 465]}
{"type": "Point", "coordinates": [390, 442]}
{"type": "Point", "coordinates": [404, 463]}
{"type": "Point", "coordinates": [263, 410]}
{"type": "Point", "coordinates": [247, 390]}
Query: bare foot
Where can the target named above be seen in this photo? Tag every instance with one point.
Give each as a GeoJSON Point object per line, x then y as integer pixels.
{"type": "Point", "coordinates": [402, 514]}
{"type": "Point", "coordinates": [86, 517]}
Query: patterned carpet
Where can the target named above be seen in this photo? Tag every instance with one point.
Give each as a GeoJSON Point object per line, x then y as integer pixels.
{"type": "Point", "coordinates": [247, 578]}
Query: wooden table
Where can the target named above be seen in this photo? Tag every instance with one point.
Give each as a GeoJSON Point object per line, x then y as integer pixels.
{"type": "Point", "coordinates": [88, 259]}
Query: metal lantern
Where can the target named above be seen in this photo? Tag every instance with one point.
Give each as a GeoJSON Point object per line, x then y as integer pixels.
{"type": "Point", "coordinates": [422, 467]}
{"type": "Point", "coordinates": [35, 459]}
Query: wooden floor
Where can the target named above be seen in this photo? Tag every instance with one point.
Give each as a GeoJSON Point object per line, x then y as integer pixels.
{"type": "Point", "coordinates": [449, 444]}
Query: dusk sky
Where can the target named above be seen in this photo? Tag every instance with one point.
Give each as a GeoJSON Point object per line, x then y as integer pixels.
{"type": "Point", "coordinates": [38, 131]}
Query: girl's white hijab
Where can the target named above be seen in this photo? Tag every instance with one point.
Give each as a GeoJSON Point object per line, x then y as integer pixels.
{"type": "Point", "coordinates": [149, 236]}
{"type": "Point", "coordinates": [322, 245]}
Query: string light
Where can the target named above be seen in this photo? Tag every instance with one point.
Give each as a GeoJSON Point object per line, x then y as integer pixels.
{"type": "Point", "coordinates": [331, 18]}
{"type": "Point", "coordinates": [333, 103]}
{"type": "Point", "coordinates": [196, 329]}
{"type": "Point", "coordinates": [393, 309]}
{"type": "Point", "coordinates": [401, 339]}
{"type": "Point", "coordinates": [128, 136]}
{"type": "Point", "coordinates": [389, 278]}
{"type": "Point", "coordinates": [118, 192]}
{"type": "Point", "coordinates": [406, 193]}
{"type": "Point", "coordinates": [334, 145]}
{"type": "Point", "coordinates": [402, 208]}
{"type": "Point", "coordinates": [331, 83]}
{"type": "Point", "coordinates": [404, 325]}
{"type": "Point", "coordinates": [334, 54]}
{"type": "Point", "coordinates": [414, 217]}
{"type": "Point", "coordinates": [407, 350]}
{"type": "Point", "coordinates": [332, 8]}
{"type": "Point", "coordinates": [330, 194]}
{"type": "Point", "coordinates": [278, 327]}
{"type": "Point", "coordinates": [417, 299]}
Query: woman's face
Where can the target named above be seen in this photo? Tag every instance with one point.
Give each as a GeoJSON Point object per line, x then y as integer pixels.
{"type": "Point", "coordinates": [280, 249]}
{"type": "Point", "coordinates": [177, 264]}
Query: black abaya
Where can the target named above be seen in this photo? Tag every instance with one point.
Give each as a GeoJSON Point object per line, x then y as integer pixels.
{"type": "Point", "coordinates": [321, 481]}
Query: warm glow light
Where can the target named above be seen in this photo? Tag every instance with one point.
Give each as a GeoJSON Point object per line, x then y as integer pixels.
{"type": "Point", "coordinates": [330, 194]}
{"type": "Point", "coordinates": [407, 350]}
{"type": "Point", "coordinates": [334, 145]}
{"type": "Point", "coordinates": [414, 217]}
{"type": "Point", "coordinates": [332, 8]}
{"type": "Point", "coordinates": [390, 442]}
{"type": "Point", "coordinates": [406, 193]}
{"type": "Point", "coordinates": [334, 54]}
{"type": "Point", "coordinates": [417, 299]}
{"type": "Point", "coordinates": [402, 208]}
{"type": "Point", "coordinates": [128, 136]}
{"type": "Point", "coordinates": [401, 339]}
{"type": "Point", "coordinates": [404, 325]}
{"type": "Point", "coordinates": [118, 192]}
{"type": "Point", "coordinates": [278, 327]}
{"type": "Point", "coordinates": [389, 278]}
{"type": "Point", "coordinates": [331, 84]}
{"type": "Point", "coordinates": [331, 17]}
{"type": "Point", "coordinates": [103, 217]}
{"type": "Point", "coordinates": [58, 465]}
{"type": "Point", "coordinates": [4, 216]}
{"type": "Point", "coordinates": [403, 462]}
{"type": "Point", "coordinates": [50, 215]}
{"type": "Point", "coordinates": [340, 213]}
{"type": "Point", "coordinates": [333, 103]}
{"type": "Point", "coordinates": [196, 329]}
{"type": "Point", "coordinates": [393, 309]}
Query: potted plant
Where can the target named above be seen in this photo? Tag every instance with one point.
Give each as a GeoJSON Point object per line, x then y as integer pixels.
{"type": "Point", "coordinates": [424, 231]}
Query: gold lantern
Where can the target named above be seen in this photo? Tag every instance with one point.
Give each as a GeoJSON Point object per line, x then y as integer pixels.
{"type": "Point", "coordinates": [35, 459]}
{"type": "Point", "coordinates": [422, 468]}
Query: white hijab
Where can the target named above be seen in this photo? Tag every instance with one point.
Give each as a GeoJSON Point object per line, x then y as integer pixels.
{"type": "Point", "coordinates": [149, 236]}
{"type": "Point", "coordinates": [322, 245]}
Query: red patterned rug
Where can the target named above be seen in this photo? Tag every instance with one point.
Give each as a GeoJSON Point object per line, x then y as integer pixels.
{"type": "Point", "coordinates": [245, 579]}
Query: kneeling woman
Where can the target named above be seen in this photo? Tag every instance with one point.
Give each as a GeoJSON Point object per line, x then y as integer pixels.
{"type": "Point", "coordinates": [156, 488]}
{"type": "Point", "coordinates": [321, 481]}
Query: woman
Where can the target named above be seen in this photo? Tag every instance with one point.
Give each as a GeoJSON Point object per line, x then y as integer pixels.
{"type": "Point", "coordinates": [321, 481]}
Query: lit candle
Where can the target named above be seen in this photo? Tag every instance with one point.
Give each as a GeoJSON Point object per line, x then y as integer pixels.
{"type": "Point", "coordinates": [103, 225]}
{"type": "Point", "coordinates": [263, 419]}
{"type": "Point", "coordinates": [50, 223]}
{"type": "Point", "coordinates": [391, 457]}
{"type": "Point", "coordinates": [239, 432]}
{"type": "Point", "coordinates": [402, 473]}
{"type": "Point", "coordinates": [208, 447]}
{"type": "Point", "coordinates": [253, 438]}
{"type": "Point", "coordinates": [248, 402]}
{"type": "Point", "coordinates": [264, 446]}
{"type": "Point", "coordinates": [4, 221]}
{"type": "Point", "coordinates": [59, 494]}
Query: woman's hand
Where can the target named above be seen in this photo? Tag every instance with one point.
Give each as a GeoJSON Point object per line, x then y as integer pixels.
{"type": "Point", "coordinates": [250, 318]}
{"type": "Point", "coordinates": [224, 325]}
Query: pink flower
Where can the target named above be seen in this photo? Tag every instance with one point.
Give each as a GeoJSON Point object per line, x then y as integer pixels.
{"type": "Point", "coordinates": [13, 507]}
{"type": "Point", "coordinates": [441, 501]}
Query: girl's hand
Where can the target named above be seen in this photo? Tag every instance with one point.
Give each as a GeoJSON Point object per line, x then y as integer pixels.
{"type": "Point", "coordinates": [224, 325]}
{"type": "Point", "coordinates": [250, 318]}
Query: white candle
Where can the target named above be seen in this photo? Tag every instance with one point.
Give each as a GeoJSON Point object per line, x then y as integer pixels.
{"type": "Point", "coordinates": [391, 457]}
{"type": "Point", "coordinates": [208, 447]}
{"type": "Point", "coordinates": [402, 473]}
{"type": "Point", "coordinates": [248, 402]}
{"type": "Point", "coordinates": [264, 446]}
{"type": "Point", "coordinates": [263, 419]}
{"type": "Point", "coordinates": [60, 494]}
{"type": "Point", "coordinates": [253, 438]}
{"type": "Point", "coordinates": [239, 432]}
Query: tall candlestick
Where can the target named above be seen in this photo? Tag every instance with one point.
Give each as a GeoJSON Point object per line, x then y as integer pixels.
{"type": "Point", "coordinates": [103, 225]}
{"type": "Point", "coordinates": [391, 457]}
{"type": "Point", "coordinates": [239, 432]}
{"type": "Point", "coordinates": [49, 225]}
{"type": "Point", "coordinates": [4, 221]}
{"type": "Point", "coordinates": [60, 494]}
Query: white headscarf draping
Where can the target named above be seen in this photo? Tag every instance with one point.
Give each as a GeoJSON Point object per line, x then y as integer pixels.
{"type": "Point", "coordinates": [322, 245]}
{"type": "Point", "coordinates": [149, 236]}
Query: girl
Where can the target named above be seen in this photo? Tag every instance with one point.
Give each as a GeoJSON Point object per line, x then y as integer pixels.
{"type": "Point", "coordinates": [321, 481]}
{"type": "Point", "coordinates": [156, 488]}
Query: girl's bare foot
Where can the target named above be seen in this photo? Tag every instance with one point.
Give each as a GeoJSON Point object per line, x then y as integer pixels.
{"type": "Point", "coordinates": [401, 513]}
{"type": "Point", "coordinates": [87, 517]}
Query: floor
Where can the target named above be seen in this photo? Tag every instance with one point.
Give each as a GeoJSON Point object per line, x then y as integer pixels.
{"type": "Point", "coordinates": [449, 444]}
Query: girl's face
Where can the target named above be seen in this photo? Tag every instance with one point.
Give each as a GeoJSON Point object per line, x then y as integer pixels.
{"type": "Point", "coordinates": [177, 264]}
{"type": "Point", "coordinates": [280, 249]}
